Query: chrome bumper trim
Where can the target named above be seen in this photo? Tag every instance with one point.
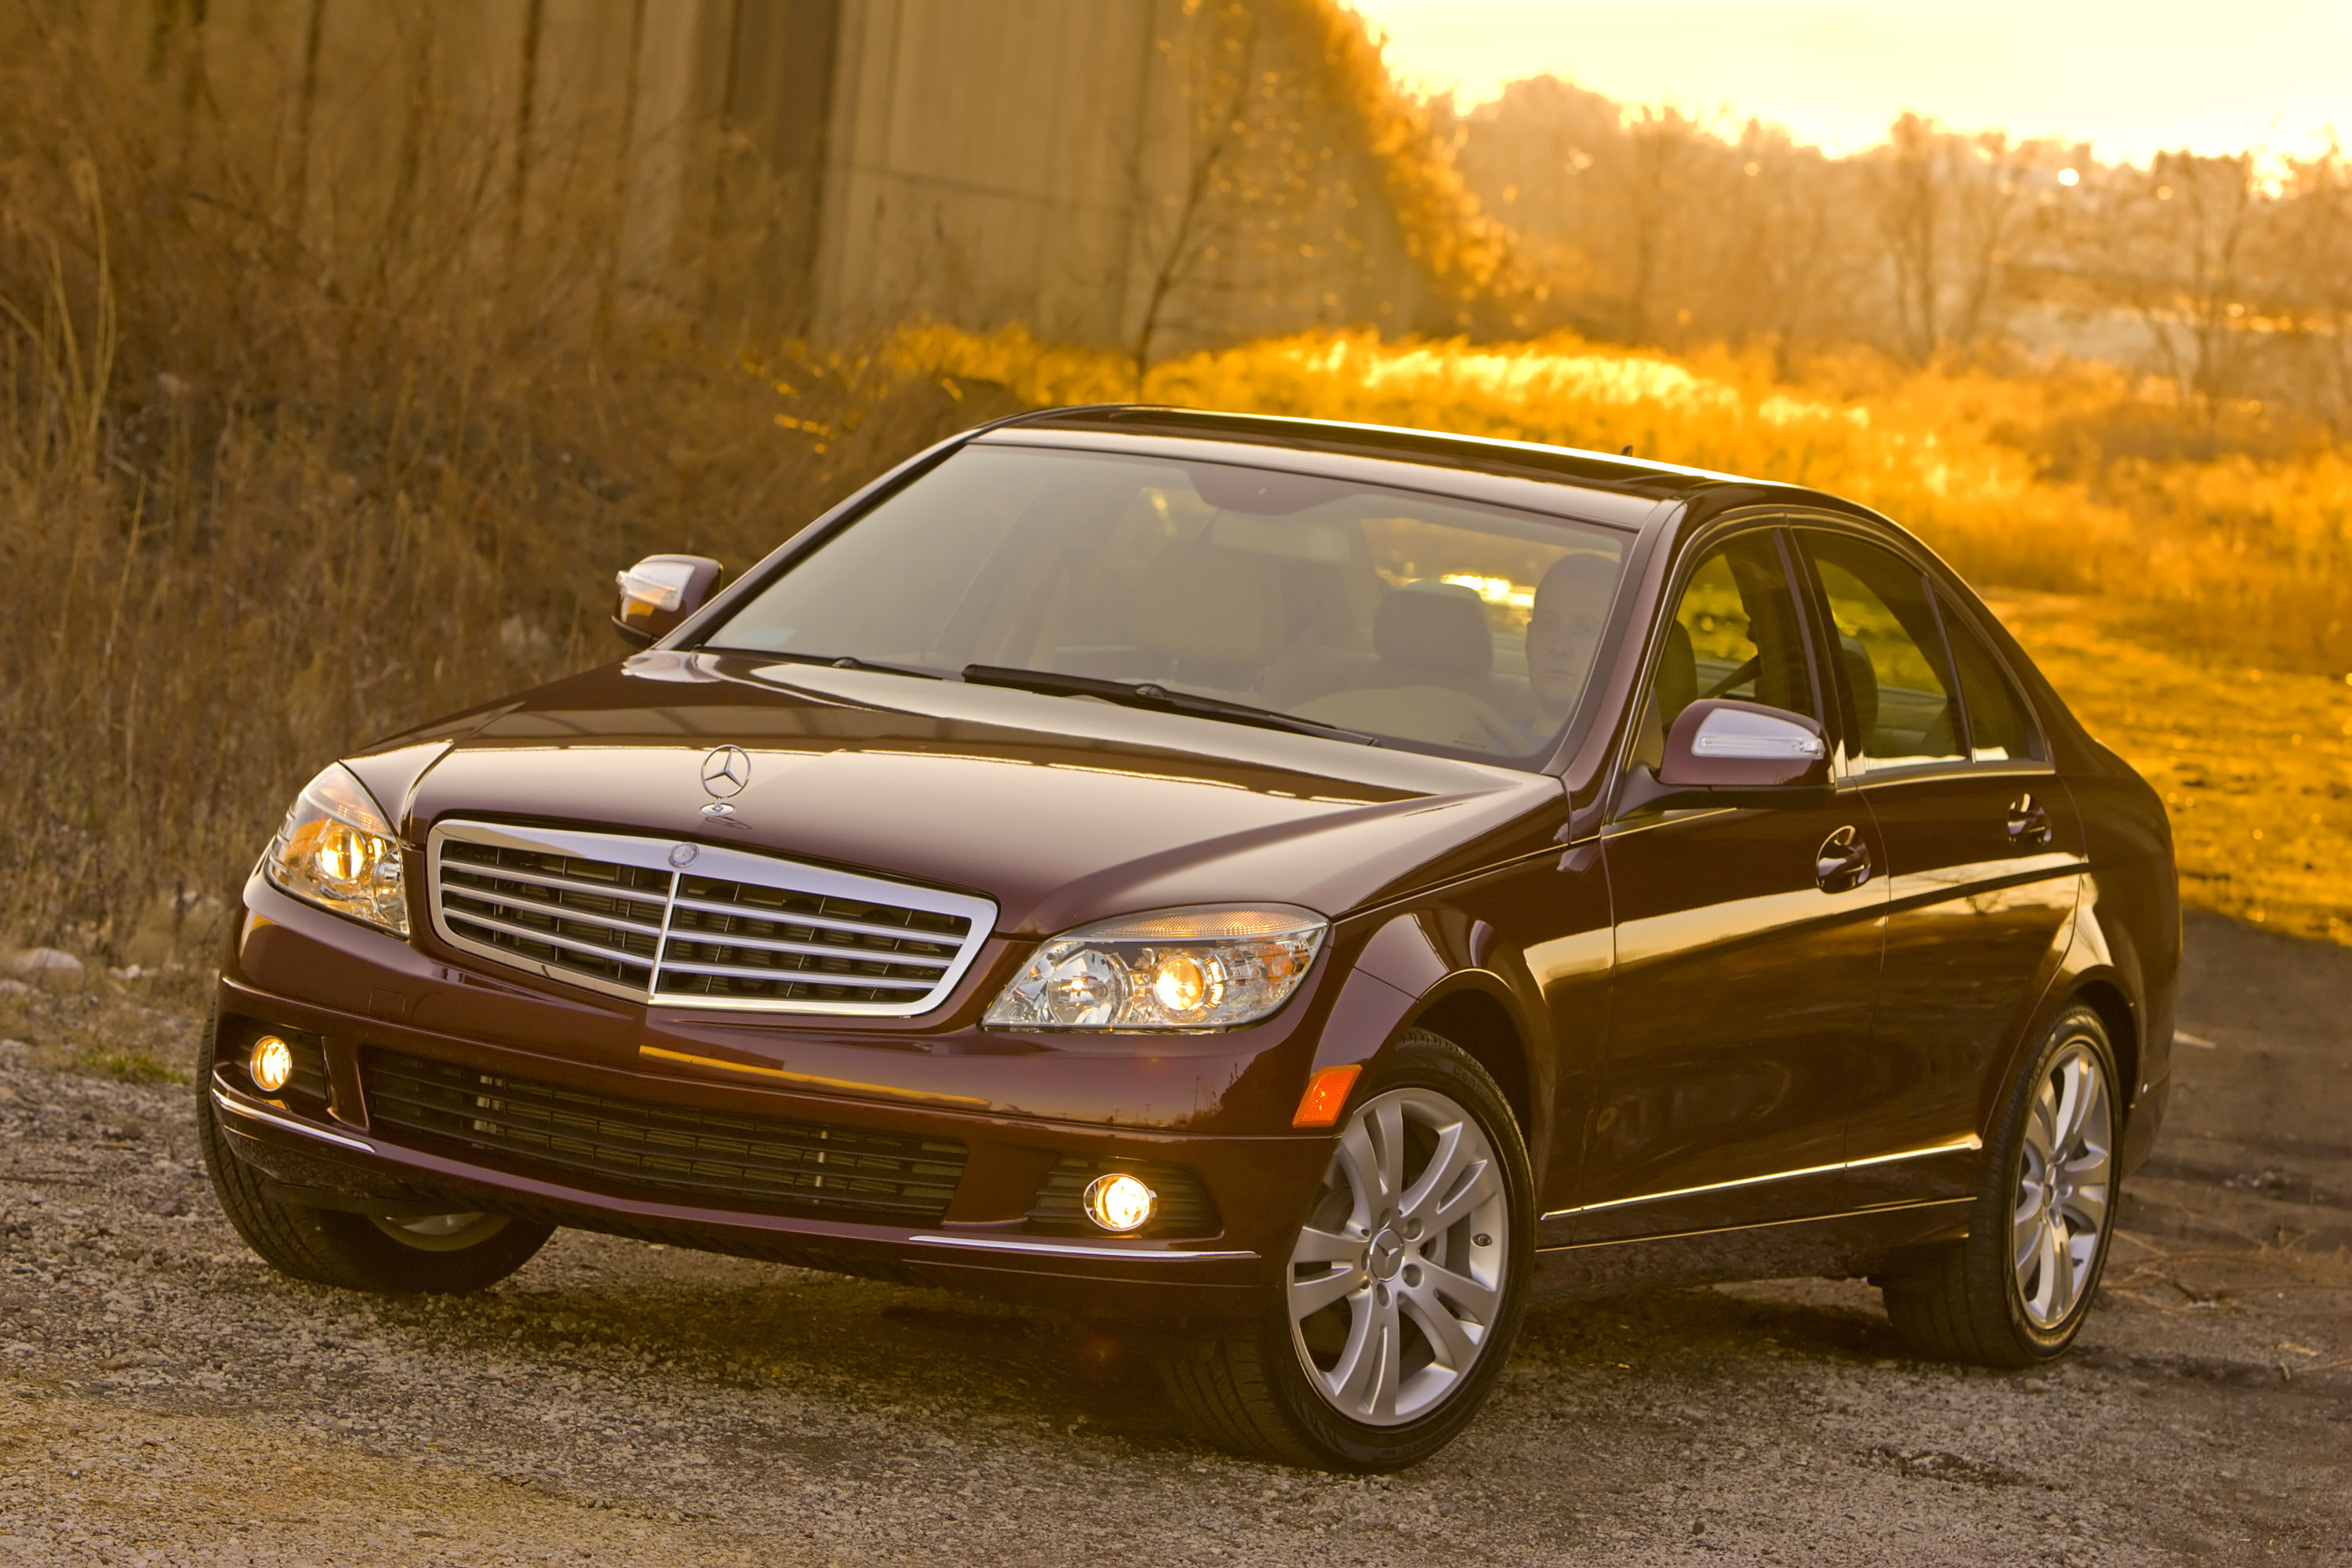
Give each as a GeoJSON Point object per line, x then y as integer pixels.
{"type": "Point", "coordinates": [253, 1112]}
{"type": "Point", "coordinates": [1968, 1144]}
{"type": "Point", "coordinates": [1076, 1249]}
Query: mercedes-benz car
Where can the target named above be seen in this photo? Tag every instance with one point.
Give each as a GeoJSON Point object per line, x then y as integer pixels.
{"type": "Point", "coordinates": [1296, 892]}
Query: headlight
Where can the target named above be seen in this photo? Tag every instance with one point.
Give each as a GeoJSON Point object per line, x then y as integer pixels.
{"type": "Point", "coordinates": [1175, 968]}
{"type": "Point", "coordinates": [337, 851]}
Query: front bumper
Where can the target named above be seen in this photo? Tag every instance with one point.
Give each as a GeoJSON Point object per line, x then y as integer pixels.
{"type": "Point", "coordinates": [355, 992]}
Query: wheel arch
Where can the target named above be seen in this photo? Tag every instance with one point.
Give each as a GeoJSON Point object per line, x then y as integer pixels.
{"type": "Point", "coordinates": [2102, 996]}
{"type": "Point", "coordinates": [1478, 1019]}
{"type": "Point", "coordinates": [1453, 974]}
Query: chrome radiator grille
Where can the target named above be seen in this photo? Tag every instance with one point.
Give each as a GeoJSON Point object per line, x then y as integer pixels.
{"type": "Point", "coordinates": [700, 925]}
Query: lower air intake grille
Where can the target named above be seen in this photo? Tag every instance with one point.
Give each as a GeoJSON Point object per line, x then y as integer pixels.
{"type": "Point", "coordinates": [852, 1171]}
{"type": "Point", "coordinates": [1185, 1206]}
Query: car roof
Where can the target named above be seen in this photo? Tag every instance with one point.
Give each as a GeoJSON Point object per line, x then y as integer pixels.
{"type": "Point", "coordinates": [1525, 459]}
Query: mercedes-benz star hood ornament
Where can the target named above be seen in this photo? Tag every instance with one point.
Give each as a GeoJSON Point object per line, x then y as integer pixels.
{"type": "Point", "coordinates": [725, 770]}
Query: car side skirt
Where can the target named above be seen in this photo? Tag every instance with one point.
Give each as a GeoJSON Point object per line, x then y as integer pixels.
{"type": "Point", "coordinates": [1866, 1242]}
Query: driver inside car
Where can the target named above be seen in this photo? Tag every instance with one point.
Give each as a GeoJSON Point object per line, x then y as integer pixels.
{"type": "Point", "coordinates": [1564, 627]}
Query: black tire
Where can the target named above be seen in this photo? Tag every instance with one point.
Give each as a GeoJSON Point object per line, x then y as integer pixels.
{"type": "Point", "coordinates": [1246, 1388]}
{"type": "Point", "coordinates": [1965, 1302]}
{"type": "Point", "coordinates": [354, 1251]}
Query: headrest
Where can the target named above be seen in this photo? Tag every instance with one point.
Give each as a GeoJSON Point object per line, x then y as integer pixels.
{"type": "Point", "coordinates": [1198, 602]}
{"type": "Point", "coordinates": [1437, 628]}
{"type": "Point", "coordinates": [1676, 683]}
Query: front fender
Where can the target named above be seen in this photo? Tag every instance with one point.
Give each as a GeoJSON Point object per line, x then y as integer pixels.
{"type": "Point", "coordinates": [1438, 968]}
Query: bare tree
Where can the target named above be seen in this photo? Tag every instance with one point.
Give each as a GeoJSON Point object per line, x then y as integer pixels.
{"type": "Point", "coordinates": [2316, 240]}
{"type": "Point", "coordinates": [1242, 191]}
{"type": "Point", "coordinates": [1181, 230]}
{"type": "Point", "coordinates": [1991, 215]}
{"type": "Point", "coordinates": [2176, 243]}
{"type": "Point", "coordinates": [1659, 150]}
{"type": "Point", "coordinates": [1910, 221]}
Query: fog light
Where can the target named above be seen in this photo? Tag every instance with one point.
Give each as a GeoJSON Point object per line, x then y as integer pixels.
{"type": "Point", "coordinates": [1119, 1203]}
{"type": "Point", "coordinates": [272, 1064]}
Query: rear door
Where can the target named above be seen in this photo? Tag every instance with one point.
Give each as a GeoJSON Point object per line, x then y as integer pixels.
{"type": "Point", "coordinates": [1746, 944]}
{"type": "Point", "coordinates": [1983, 855]}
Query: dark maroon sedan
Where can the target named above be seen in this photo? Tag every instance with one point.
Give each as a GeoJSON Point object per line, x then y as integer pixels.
{"type": "Point", "coordinates": [1298, 890]}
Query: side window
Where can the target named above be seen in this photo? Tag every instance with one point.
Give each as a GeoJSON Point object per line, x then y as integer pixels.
{"type": "Point", "coordinates": [1733, 634]}
{"type": "Point", "coordinates": [2001, 726]}
{"type": "Point", "coordinates": [1891, 649]}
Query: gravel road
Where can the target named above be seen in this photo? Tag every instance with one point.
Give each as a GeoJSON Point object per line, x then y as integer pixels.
{"type": "Point", "coordinates": [166, 1398]}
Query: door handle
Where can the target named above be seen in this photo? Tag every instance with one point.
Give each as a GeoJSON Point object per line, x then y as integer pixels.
{"type": "Point", "coordinates": [2029, 821]}
{"type": "Point", "coordinates": [1842, 862]}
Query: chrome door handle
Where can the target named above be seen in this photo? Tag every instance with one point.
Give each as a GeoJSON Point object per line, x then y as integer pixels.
{"type": "Point", "coordinates": [2029, 823]}
{"type": "Point", "coordinates": [1842, 862]}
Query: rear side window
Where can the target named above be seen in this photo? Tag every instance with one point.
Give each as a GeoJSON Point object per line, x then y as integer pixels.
{"type": "Point", "coordinates": [2001, 726]}
{"type": "Point", "coordinates": [1899, 685]}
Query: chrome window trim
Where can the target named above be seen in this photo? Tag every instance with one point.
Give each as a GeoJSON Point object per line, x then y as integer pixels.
{"type": "Point", "coordinates": [724, 864]}
{"type": "Point", "coordinates": [1968, 1144]}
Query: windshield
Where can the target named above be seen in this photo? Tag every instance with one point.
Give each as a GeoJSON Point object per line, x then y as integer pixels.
{"type": "Point", "coordinates": [1414, 618]}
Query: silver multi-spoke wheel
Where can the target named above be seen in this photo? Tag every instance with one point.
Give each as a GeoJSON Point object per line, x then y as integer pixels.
{"type": "Point", "coordinates": [2013, 1292]}
{"type": "Point", "coordinates": [1396, 1282]}
{"type": "Point", "coordinates": [441, 1232]}
{"type": "Point", "coordinates": [2063, 1184]}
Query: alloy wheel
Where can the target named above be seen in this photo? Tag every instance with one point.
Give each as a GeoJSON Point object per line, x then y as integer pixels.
{"type": "Point", "coordinates": [441, 1232]}
{"type": "Point", "coordinates": [1396, 1282]}
{"type": "Point", "coordinates": [2063, 1184]}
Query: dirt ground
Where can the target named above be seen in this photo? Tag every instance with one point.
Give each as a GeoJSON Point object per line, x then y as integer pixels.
{"type": "Point", "coordinates": [166, 1398]}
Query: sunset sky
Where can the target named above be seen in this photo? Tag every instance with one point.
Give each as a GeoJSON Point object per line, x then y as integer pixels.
{"type": "Point", "coordinates": [2130, 77]}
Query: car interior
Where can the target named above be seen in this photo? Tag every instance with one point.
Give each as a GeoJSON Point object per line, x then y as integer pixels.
{"type": "Point", "coordinates": [1399, 615]}
{"type": "Point", "coordinates": [1897, 674]}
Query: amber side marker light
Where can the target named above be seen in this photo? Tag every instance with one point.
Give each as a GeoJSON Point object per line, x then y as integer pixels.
{"type": "Point", "coordinates": [1326, 1096]}
{"type": "Point", "coordinates": [272, 1064]}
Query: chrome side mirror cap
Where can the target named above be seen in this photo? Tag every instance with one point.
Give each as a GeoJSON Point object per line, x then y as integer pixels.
{"type": "Point", "coordinates": [658, 593]}
{"type": "Point", "coordinates": [1717, 743]}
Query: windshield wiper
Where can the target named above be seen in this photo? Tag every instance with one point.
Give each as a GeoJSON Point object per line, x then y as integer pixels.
{"type": "Point", "coordinates": [844, 661]}
{"type": "Point", "coordinates": [1152, 695]}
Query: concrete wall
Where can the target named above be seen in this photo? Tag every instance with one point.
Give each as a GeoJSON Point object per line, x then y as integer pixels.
{"type": "Point", "coordinates": [983, 166]}
{"type": "Point", "coordinates": [857, 163]}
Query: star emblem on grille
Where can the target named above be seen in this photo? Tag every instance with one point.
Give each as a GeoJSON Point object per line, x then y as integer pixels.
{"type": "Point", "coordinates": [725, 770]}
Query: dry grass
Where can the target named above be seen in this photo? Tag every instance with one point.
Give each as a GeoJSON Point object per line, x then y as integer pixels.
{"type": "Point", "coordinates": [2255, 766]}
{"type": "Point", "coordinates": [276, 479]}
{"type": "Point", "coordinates": [2197, 610]}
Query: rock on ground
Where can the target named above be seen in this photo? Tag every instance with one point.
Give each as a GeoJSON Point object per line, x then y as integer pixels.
{"type": "Point", "coordinates": [166, 1398]}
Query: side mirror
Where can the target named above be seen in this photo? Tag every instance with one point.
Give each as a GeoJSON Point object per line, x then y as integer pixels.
{"type": "Point", "coordinates": [660, 592]}
{"type": "Point", "coordinates": [1725, 753]}
{"type": "Point", "coordinates": [1718, 743]}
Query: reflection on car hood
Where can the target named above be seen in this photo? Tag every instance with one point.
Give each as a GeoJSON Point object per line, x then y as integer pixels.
{"type": "Point", "coordinates": [1060, 809]}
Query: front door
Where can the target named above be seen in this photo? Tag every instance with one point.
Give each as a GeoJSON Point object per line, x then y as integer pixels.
{"type": "Point", "coordinates": [1983, 857]}
{"type": "Point", "coordinates": [1747, 947]}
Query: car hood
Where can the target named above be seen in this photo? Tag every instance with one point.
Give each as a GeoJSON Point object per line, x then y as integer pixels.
{"type": "Point", "coordinates": [1059, 809]}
